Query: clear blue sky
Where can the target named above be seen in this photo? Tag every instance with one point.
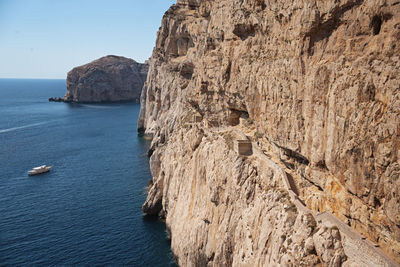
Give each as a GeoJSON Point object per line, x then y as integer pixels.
{"type": "Point", "coordinates": [47, 38]}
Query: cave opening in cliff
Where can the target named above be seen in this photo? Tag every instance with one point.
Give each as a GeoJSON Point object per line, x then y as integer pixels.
{"type": "Point", "coordinates": [235, 115]}
{"type": "Point", "coordinates": [244, 31]}
{"type": "Point", "coordinates": [187, 70]}
{"type": "Point", "coordinates": [261, 3]}
{"type": "Point", "coordinates": [376, 24]}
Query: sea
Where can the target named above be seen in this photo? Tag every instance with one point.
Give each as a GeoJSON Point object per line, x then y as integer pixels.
{"type": "Point", "coordinates": [87, 210]}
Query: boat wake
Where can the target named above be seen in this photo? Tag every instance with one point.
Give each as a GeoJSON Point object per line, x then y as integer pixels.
{"type": "Point", "coordinates": [21, 127]}
{"type": "Point", "coordinates": [98, 106]}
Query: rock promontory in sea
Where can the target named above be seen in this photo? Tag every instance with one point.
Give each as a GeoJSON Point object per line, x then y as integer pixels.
{"type": "Point", "coordinates": [107, 79]}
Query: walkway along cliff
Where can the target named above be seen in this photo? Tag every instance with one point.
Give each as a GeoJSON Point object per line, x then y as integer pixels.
{"type": "Point", "coordinates": [317, 85]}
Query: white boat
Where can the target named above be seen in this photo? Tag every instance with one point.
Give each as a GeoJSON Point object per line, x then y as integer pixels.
{"type": "Point", "coordinates": [39, 170]}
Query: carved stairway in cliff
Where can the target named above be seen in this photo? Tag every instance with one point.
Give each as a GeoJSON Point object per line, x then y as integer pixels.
{"type": "Point", "coordinates": [352, 241]}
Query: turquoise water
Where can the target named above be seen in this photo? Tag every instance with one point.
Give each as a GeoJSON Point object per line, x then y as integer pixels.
{"type": "Point", "coordinates": [87, 210]}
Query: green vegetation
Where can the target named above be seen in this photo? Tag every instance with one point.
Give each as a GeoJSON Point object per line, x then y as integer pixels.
{"type": "Point", "coordinates": [249, 122]}
{"type": "Point", "coordinates": [258, 135]}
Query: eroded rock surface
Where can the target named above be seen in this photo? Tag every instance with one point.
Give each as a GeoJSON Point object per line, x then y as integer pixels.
{"type": "Point", "coordinates": [108, 79]}
{"type": "Point", "coordinates": [320, 82]}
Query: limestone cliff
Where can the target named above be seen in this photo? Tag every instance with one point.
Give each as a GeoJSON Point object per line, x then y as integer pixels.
{"type": "Point", "coordinates": [317, 84]}
{"type": "Point", "coordinates": [107, 79]}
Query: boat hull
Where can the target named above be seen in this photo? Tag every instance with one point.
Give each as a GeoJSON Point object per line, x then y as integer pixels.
{"type": "Point", "coordinates": [36, 172]}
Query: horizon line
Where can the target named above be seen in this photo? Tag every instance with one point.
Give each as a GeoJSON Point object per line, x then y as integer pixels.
{"type": "Point", "coordinates": [17, 78]}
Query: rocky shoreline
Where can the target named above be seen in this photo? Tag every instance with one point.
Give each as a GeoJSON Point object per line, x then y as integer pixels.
{"type": "Point", "coordinates": [57, 99]}
{"type": "Point", "coordinates": [61, 99]}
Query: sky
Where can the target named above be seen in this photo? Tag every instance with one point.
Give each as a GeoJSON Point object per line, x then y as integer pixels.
{"type": "Point", "coordinates": [47, 38]}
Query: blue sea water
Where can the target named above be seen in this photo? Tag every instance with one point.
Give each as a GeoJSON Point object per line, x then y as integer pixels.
{"type": "Point", "coordinates": [87, 210]}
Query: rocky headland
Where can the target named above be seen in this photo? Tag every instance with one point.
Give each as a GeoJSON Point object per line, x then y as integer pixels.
{"type": "Point", "coordinates": [313, 87]}
{"type": "Point", "coordinates": [107, 79]}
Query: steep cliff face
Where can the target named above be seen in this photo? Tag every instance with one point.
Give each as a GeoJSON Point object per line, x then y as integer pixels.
{"type": "Point", "coordinates": [107, 79]}
{"type": "Point", "coordinates": [318, 84]}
